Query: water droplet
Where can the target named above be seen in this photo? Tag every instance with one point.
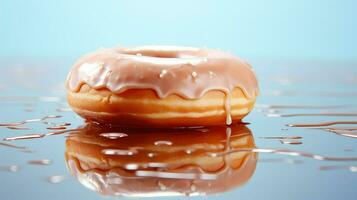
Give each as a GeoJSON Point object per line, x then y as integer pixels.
{"type": "Point", "coordinates": [353, 169]}
{"type": "Point", "coordinates": [285, 152]}
{"type": "Point", "coordinates": [119, 152]}
{"type": "Point", "coordinates": [161, 186]}
{"type": "Point", "coordinates": [24, 137]}
{"type": "Point", "coordinates": [175, 175]}
{"type": "Point", "coordinates": [348, 150]}
{"type": "Point", "coordinates": [131, 166]}
{"type": "Point", "coordinates": [281, 137]}
{"type": "Point", "coordinates": [337, 114]}
{"type": "Point", "coordinates": [194, 74]}
{"type": "Point", "coordinates": [156, 165]}
{"type": "Point", "coordinates": [32, 120]}
{"type": "Point", "coordinates": [64, 109]}
{"type": "Point", "coordinates": [65, 124]}
{"type": "Point", "coordinates": [27, 150]}
{"type": "Point", "coordinates": [13, 146]}
{"type": "Point", "coordinates": [18, 128]}
{"type": "Point", "coordinates": [113, 135]}
{"type": "Point", "coordinates": [338, 167]}
{"type": "Point", "coordinates": [163, 72]}
{"type": "Point", "coordinates": [14, 168]}
{"type": "Point", "coordinates": [292, 142]}
{"type": "Point", "coordinates": [151, 155]}
{"type": "Point", "coordinates": [189, 151]}
{"type": "Point", "coordinates": [330, 123]}
{"type": "Point", "coordinates": [282, 160]}
{"type": "Point", "coordinates": [10, 168]}
{"type": "Point", "coordinates": [51, 117]}
{"type": "Point", "coordinates": [211, 74]}
{"type": "Point", "coordinates": [202, 130]}
{"type": "Point", "coordinates": [60, 132]}
{"type": "Point", "coordinates": [57, 179]}
{"type": "Point", "coordinates": [162, 142]}
{"type": "Point", "coordinates": [56, 127]}
{"type": "Point", "coordinates": [40, 162]}
{"type": "Point", "coordinates": [12, 124]}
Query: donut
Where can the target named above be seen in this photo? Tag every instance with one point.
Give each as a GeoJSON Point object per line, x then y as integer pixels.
{"type": "Point", "coordinates": [161, 86]}
{"type": "Point", "coordinates": [160, 162]}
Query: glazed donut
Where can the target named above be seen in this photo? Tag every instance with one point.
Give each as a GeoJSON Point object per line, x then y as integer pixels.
{"type": "Point", "coordinates": [161, 86]}
{"type": "Point", "coordinates": [141, 162]}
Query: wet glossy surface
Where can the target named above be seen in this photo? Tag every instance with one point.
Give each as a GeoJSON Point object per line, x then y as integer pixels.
{"type": "Point", "coordinates": [314, 159]}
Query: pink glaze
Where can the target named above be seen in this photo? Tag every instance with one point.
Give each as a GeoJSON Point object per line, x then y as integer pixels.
{"type": "Point", "coordinates": [186, 71]}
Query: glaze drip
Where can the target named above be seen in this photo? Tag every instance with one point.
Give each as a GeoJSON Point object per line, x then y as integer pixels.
{"type": "Point", "coordinates": [188, 72]}
{"type": "Point", "coordinates": [227, 105]}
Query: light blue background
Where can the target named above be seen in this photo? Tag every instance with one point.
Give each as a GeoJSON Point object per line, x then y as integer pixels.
{"type": "Point", "coordinates": [276, 29]}
{"type": "Point", "coordinates": [323, 33]}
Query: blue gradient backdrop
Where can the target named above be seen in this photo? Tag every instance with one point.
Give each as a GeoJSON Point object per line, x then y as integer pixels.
{"type": "Point", "coordinates": [276, 29]}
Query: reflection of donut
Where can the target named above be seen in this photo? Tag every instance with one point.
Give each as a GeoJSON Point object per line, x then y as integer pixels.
{"type": "Point", "coordinates": [137, 162]}
{"type": "Point", "coordinates": [162, 86]}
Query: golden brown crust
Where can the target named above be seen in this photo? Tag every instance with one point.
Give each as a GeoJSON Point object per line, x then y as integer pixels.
{"type": "Point", "coordinates": [142, 107]}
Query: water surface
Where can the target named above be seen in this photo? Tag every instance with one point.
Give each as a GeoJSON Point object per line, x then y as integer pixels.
{"type": "Point", "coordinates": [299, 143]}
